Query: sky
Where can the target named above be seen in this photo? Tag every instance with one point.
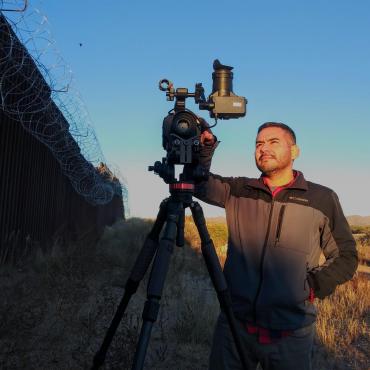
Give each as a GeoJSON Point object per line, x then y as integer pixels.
{"type": "Point", "coordinates": [304, 63]}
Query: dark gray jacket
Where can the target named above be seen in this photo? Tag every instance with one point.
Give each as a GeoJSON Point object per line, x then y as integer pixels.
{"type": "Point", "coordinates": [275, 243]}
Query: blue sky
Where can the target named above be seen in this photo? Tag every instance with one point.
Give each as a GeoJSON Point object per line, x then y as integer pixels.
{"type": "Point", "coordinates": [305, 63]}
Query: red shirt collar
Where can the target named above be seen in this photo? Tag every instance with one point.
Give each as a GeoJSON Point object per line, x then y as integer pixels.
{"type": "Point", "coordinates": [279, 188]}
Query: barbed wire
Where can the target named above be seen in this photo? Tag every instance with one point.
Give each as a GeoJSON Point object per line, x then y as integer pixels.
{"type": "Point", "coordinates": [37, 89]}
{"type": "Point", "coordinates": [13, 5]}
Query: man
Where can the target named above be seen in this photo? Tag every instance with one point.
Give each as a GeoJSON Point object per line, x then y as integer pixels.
{"type": "Point", "coordinates": [278, 226]}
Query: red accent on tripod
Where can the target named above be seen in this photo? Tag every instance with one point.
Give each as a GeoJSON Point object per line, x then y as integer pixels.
{"type": "Point", "coordinates": [182, 186]}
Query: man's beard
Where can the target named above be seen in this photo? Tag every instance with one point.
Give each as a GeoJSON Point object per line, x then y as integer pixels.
{"type": "Point", "coordinates": [267, 168]}
{"type": "Point", "coordinates": [273, 166]}
{"type": "Point", "coordinates": [268, 172]}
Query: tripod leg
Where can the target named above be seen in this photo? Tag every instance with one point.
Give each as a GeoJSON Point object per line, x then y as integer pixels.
{"type": "Point", "coordinates": [156, 281]}
{"type": "Point", "coordinates": [217, 276]}
{"type": "Point", "coordinates": [141, 266]}
{"type": "Point", "coordinates": [180, 239]}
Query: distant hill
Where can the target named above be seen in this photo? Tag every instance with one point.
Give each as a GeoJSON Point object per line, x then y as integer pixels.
{"type": "Point", "coordinates": [359, 220]}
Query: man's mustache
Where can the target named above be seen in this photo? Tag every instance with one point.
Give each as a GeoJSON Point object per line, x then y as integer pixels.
{"type": "Point", "coordinates": [266, 155]}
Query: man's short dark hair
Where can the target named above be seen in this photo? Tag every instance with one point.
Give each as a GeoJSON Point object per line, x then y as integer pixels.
{"type": "Point", "coordinates": [281, 125]}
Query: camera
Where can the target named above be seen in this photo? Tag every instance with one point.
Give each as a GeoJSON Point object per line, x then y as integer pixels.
{"type": "Point", "coordinates": [222, 103]}
{"type": "Point", "coordinates": [182, 128]}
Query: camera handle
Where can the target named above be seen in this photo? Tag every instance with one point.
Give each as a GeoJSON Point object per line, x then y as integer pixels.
{"type": "Point", "coordinates": [171, 213]}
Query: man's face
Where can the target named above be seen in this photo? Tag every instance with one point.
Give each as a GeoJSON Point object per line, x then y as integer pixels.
{"type": "Point", "coordinates": [275, 150]}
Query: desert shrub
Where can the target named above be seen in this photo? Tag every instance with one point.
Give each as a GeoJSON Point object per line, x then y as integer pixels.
{"type": "Point", "coordinates": [361, 234]}
{"type": "Point", "coordinates": [363, 253]}
{"type": "Point", "coordinates": [217, 231]}
{"type": "Point", "coordinates": [121, 243]}
{"type": "Point", "coordinates": [360, 229]}
{"type": "Point", "coordinates": [364, 239]}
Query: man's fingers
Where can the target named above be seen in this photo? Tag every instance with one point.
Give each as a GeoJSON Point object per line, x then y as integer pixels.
{"type": "Point", "coordinates": [206, 137]}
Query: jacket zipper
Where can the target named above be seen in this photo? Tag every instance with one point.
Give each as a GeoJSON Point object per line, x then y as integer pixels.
{"type": "Point", "coordinates": [280, 222]}
{"type": "Point", "coordinates": [261, 263]}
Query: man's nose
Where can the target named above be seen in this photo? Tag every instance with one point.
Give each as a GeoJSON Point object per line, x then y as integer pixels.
{"type": "Point", "coordinates": [264, 148]}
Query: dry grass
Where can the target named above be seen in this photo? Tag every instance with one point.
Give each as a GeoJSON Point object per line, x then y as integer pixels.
{"type": "Point", "coordinates": [362, 237]}
{"type": "Point", "coordinates": [341, 319]}
{"type": "Point", "coordinates": [363, 253]}
{"type": "Point", "coordinates": [343, 322]}
{"type": "Point", "coordinates": [218, 232]}
{"type": "Point", "coordinates": [54, 312]}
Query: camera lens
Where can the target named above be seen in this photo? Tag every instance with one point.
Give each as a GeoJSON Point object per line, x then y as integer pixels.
{"type": "Point", "coordinates": [183, 128]}
{"type": "Point", "coordinates": [184, 125]}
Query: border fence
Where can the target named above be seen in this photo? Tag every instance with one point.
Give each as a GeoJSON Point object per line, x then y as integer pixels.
{"type": "Point", "coordinates": [39, 198]}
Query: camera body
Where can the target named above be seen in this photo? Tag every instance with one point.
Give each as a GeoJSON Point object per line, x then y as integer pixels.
{"type": "Point", "coordinates": [226, 107]}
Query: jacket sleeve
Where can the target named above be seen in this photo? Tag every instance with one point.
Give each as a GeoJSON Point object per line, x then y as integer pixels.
{"type": "Point", "coordinates": [216, 189]}
{"type": "Point", "coordinates": [339, 248]}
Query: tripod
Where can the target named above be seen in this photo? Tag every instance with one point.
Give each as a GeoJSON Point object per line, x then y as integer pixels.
{"type": "Point", "coordinates": [172, 214]}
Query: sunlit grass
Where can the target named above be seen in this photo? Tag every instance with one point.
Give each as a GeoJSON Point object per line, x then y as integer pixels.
{"type": "Point", "coordinates": [342, 317]}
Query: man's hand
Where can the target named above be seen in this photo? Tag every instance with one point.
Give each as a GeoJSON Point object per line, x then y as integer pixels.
{"type": "Point", "coordinates": [206, 137]}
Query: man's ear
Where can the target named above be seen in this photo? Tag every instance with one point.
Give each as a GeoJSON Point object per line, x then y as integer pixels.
{"type": "Point", "coordinates": [295, 151]}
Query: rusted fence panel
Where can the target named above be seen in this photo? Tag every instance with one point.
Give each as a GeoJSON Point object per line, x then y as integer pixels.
{"type": "Point", "coordinates": [37, 201]}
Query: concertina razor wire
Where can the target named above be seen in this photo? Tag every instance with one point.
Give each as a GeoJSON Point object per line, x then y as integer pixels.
{"type": "Point", "coordinates": [45, 102]}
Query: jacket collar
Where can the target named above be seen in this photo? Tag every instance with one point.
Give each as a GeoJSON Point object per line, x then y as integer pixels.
{"type": "Point", "coordinates": [299, 183]}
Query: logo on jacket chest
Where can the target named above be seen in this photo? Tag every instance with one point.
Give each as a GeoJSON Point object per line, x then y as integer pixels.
{"type": "Point", "coordinates": [298, 200]}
